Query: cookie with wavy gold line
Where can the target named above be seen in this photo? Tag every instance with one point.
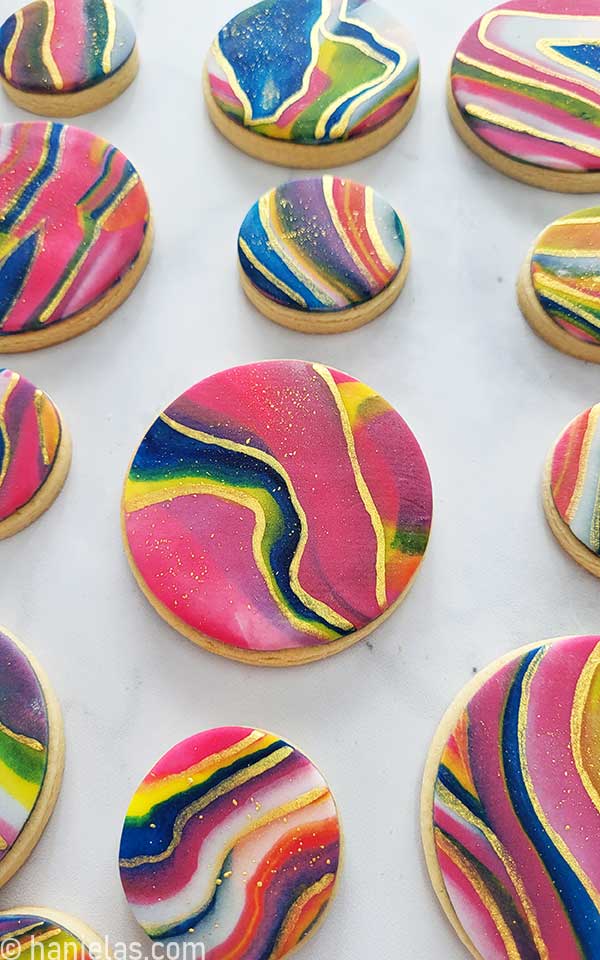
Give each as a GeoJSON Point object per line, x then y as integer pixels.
{"type": "Point", "coordinates": [323, 255]}
{"type": "Point", "coordinates": [38, 932]}
{"type": "Point", "coordinates": [62, 58]}
{"type": "Point", "coordinates": [31, 754]}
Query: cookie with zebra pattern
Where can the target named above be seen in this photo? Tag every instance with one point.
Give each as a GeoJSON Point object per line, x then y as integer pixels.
{"type": "Point", "coordinates": [36, 932]}
{"type": "Point", "coordinates": [511, 806]}
{"type": "Point", "coordinates": [231, 847]}
{"type": "Point", "coordinates": [75, 232]}
{"type": "Point", "coordinates": [277, 512]}
{"type": "Point", "coordinates": [31, 754]}
{"type": "Point", "coordinates": [524, 92]}
{"type": "Point", "coordinates": [62, 58]}
{"type": "Point", "coordinates": [313, 84]}
{"type": "Point", "coordinates": [572, 489]}
{"type": "Point", "coordinates": [323, 255]}
{"type": "Point", "coordinates": [559, 285]}
{"type": "Point", "coordinates": [35, 453]}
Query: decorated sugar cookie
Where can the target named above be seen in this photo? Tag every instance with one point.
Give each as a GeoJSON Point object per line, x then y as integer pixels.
{"type": "Point", "coordinates": [41, 934]}
{"type": "Point", "coordinates": [35, 453]}
{"type": "Point", "coordinates": [559, 286]}
{"type": "Point", "coordinates": [31, 755]}
{"type": "Point", "coordinates": [524, 92]}
{"type": "Point", "coordinates": [231, 845]}
{"type": "Point", "coordinates": [60, 58]}
{"type": "Point", "coordinates": [312, 84]}
{"type": "Point", "coordinates": [323, 255]}
{"type": "Point", "coordinates": [511, 810]}
{"type": "Point", "coordinates": [572, 490]}
{"type": "Point", "coordinates": [75, 233]}
{"type": "Point", "coordinates": [277, 512]}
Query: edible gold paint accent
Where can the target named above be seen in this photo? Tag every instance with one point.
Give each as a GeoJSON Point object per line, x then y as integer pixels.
{"type": "Point", "coordinates": [13, 381]}
{"type": "Point", "coordinates": [47, 55]}
{"type": "Point", "coordinates": [374, 234]}
{"type": "Point", "coordinates": [262, 269]}
{"type": "Point", "coordinates": [110, 40]}
{"type": "Point", "coordinates": [582, 693]}
{"type": "Point", "coordinates": [328, 194]}
{"type": "Point", "coordinates": [20, 738]}
{"type": "Point", "coordinates": [584, 458]}
{"type": "Point", "coordinates": [295, 912]}
{"type": "Point", "coordinates": [489, 116]}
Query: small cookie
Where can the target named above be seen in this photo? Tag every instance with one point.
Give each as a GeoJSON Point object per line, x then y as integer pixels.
{"type": "Point", "coordinates": [572, 490]}
{"type": "Point", "coordinates": [61, 58]}
{"type": "Point", "coordinates": [41, 934]}
{"type": "Point", "coordinates": [231, 844]}
{"type": "Point", "coordinates": [524, 92]}
{"type": "Point", "coordinates": [559, 286]}
{"type": "Point", "coordinates": [277, 513]}
{"type": "Point", "coordinates": [35, 453]}
{"type": "Point", "coordinates": [312, 84]}
{"type": "Point", "coordinates": [31, 754]}
{"type": "Point", "coordinates": [75, 232]}
{"type": "Point", "coordinates": [511, 806]}
{"type": "Point", "coordinates": [323, 255]}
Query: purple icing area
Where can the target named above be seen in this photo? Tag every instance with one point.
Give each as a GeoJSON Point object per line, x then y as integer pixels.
{"type": "Point", "coordinates": [22, 703]}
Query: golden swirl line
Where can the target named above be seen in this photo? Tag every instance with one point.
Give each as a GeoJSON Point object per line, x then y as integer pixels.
{"type": "Point", "coordinates": [271, 276]}
{"type": "Point", "coordinates": [565, 466]}
{"type": "Point", "coordinates": [38, 399]}
{"type": "Point", "coordinates": [47, 55]}
{"type": "Point", "coordinates": [13, 381]}
{"type": "Point", "coordinates": [361, 485]}
{"type": "Point", "coordinates": [22, 739]}
{"type": "Point", "coordinates": [329, 200]}
{"type": "Point", "coordinates": [545, 46]}
{"type": "Point", "coordinates": [373, 230]}
{"type": "Point", "coordinates": [582, 693]}
{"type": "Point", "coordinates": [584, 456]}
{"type": "Point", "coordinates": [12, 46]}
{"type": "Point", "coordinates": [110, 40]}
{"type": "Point", "coordinates": [499, 120]}
{"type": "Point", "coordinates": [295, 911]}
{"type": "Point", "coordinates": [3, 843]}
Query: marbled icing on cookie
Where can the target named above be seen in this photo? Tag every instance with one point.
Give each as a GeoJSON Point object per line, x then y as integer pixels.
{"type": "Point", "coordinates": [323, 244]}
{"type": "Point", "coordinates": [278, 505]}
{"type": "Point", "coordinates": [526, 78]}
{"type": "Point", "coordinates": [315, 72]}
{"type": "Point", "coordinates": [30, 435]}
{"type": "Point", "coordinates": [517, 808]}
{"type": "Point", "coordinates": [565, 271]}
{"type": "Point", "coordinates": [24, 735]}
{"type": "Point", "coordinates": [232, 841]}
{"type": "Point", "coordinates": [575, 478]}
{"type": "Point", "coordinates": [28, 936]}
{"type": "Point", "coordinates": [73, 217]}
{"type": "Point", "coordinates": [64, 46]}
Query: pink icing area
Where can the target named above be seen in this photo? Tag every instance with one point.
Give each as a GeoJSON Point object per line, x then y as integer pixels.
{"type": "Point", "coordinates": [575, 331]}
{"type": "Point", "coordinates": [192, 751]}
{"type": "Point", "coordinates": [319, 84]}
{"type": "Point", "coordinates": [8, 833]}
{"type": "Point", "coordinates": [223, 91]}
{"type": "Point", "coordinates": [69, 41]}
{"type": "Point", "coordinates": [25, 474]}
{"type": "Point", "coordinates": [557, 784]}
{"type": "Point", "coordinates": [212, 584]}
{"type": "Point", "coordinates": [533, 150]}
{"type": "Point", "coordinates": [383, 114]}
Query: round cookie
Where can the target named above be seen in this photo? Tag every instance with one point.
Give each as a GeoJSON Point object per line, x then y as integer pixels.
{"type": "Point", "coordinates": [40, 933]}
{"type": "Point", "coordinates": [511, 806]}
{"type": "Point", "coordinates": [559, 286]}
{"type": "Point", "coordinates": [572, 490]}
{"type": "Point", "coordinates": [75, 232]}
{"type": "Point", "coordinates": [231, 843]}
{"type": "Point", "coordinates": [312, 85]}
{"type": "Point", "coordinates": [323, 255]}
{"type": "Point", "coordinates": [35, 453]}
{"type": "Point", "coordinates": [524, 92]}
{"type": "Point", "coordinates": [276, 513]}
{"type": "Point", "coordinates": [31, 754]}
{"type": "Point", "coordinates": [61, 58]}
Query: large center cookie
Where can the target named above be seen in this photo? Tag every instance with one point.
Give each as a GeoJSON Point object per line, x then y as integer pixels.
{"type": "Point", "coordinates": [525, 91]}
{"type": "Point", "coordinates": [231, 847]}
{"type": "Point", "coordinates": [277, 512]}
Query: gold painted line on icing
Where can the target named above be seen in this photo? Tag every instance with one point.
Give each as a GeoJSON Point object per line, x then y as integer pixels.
{"type": "Point", "coordinates": [595, 525]}
{"type": "Point", "coordinates": [12, 46]}
{"type": "Point", "coordinates": [14, 198]}
{"type": "Point", "coordinates": [221, 757]}
{"type": "Point", "coordinates": [47, 55]}
{"type": "Point", "coordinates": [295, 911]}
{"type": "Point", "coordinates": [38, 399]}
{"type": "Point", "coordinates": [359, 239]}
{"type": "Point", "coordinates": [329, 200]}
{"type": "Point", "coordinates": [545, 46]}
{"type": "Point", "coordinates": [271, 276]}
{"type": "Point", "coordinates": [110, 40]}
{"type": "Point", "coordinates": [558, 251]}
{"type": "Point", "coordinates": [317, 606]}
{"type": "Point", "coordinates": [582, 692]}
{"type": "Point", "coordinates": [20, 931]}
{"type": "Point", "coordinates": [3, 843]}
{"type": "Point", "coordinates": [583, 462]}
{"type": "Point", "coordinates": [556, 288]}
{"type": "Point", "coordinates": [454, 804]}
{"type": "Point", "coordinates": [565, 466]}
{"type": "Point", "coordinates": [13, 381]}
{"type": "Point", "coordinates": [555, 837]}
{"type": "Point", "coordinates": [482, 113]}
{"type": "Point", "coordinates": [21, 738]}
{"type": "Point", "coordinates": [361, 485]}
{"type": "Point", "coordinates": [485, 896]}
{"type": "Point", "coordinates": [373, 231]}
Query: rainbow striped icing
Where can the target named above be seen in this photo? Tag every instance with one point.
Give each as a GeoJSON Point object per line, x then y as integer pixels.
{"type": "Point", "coordinates": [64, 46]}
{"type": "Point", "coordinates": [565, 271]}
{"type": "Point", "coordinates": [315, 72]}
{"type": "Point", "coordinates": [575, 478]}
{"type": "Point", "coordinates": [278, 505]}
{"type": "Point", "coordinates": [73, 217]}
{"type": "Point", "coordinates": [24, 737]}
{"type": "Point", "coordinates": [33, 937]}
{"type": "Point", "coordinates": [323, 244]}
{"type": "Point", "coordinates": [231, 843]}
{"type": "Point", "coordinates": [526, 78]}
{"type": "Point", "coordinates": [517, 807]}
{"type": "Point", "coordinates": [30, 435]}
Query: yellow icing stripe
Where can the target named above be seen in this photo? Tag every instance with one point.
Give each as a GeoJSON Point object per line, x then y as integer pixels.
{"type": "Point", "coordinates": [47, 56]}
{"type": "Point", "coordinates": [110, 40]}
{"type": "Point", "coordinates": [23, 791]}
{"type": "Point", "coordinates": [12, 46]}
{"type": "Point", "coordinates": [271, 276]}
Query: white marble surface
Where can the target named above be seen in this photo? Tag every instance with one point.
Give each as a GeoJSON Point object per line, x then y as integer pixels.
{"type": "Point", "coordinates": [483, 394]}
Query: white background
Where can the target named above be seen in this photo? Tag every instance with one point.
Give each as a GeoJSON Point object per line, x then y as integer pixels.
{"type": "Point", "coordinates": [484, 396]}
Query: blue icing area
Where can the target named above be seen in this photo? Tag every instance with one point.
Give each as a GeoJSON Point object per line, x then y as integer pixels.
{"type": "Point", "coordinates": [585, 54]}
{"type": "Point", "coordinates": [270, 50]}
